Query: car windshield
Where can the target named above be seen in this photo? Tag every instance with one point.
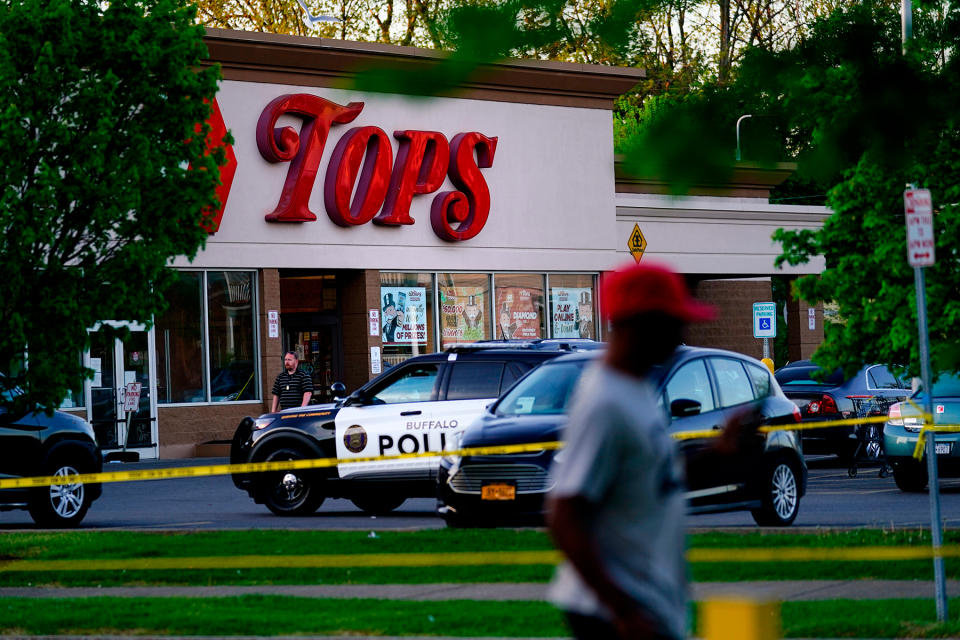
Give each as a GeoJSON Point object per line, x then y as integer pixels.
{"type": "Point", "coordinates": [545, 391]}
{"type": "Point", "coordinates": [791, 376]}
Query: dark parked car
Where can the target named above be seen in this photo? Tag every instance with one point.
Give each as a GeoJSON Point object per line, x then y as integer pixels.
{"type": "Point", "coordinates": [418, 405]}
{"type": "Point", "coordinates": [62, 445]}
{"type": "Point", "coordinates": [902, 429]}
{"type": "Point", "coordinates": [823, 398]}
{"type": "Point", "coordinates": [700, 388]}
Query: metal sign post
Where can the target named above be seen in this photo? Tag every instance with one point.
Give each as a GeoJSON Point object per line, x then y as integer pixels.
{"type": "Point", "coordinates": [918, 209]}
{"type": "Point", "coordinates": [765, 323]}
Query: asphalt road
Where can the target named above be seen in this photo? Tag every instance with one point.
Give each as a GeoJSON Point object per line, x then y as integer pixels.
{"type": "Point", "coordinates": [833, 500]}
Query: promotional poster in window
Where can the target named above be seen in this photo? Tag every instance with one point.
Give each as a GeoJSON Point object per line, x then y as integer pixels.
{"type": "Point", "coordinates": [518, 313]}
{"type": "Point", "coordinates": [572, 312]}
{"type": "Point", "coordinates": [462, 317]}
{"type": "Point", "coordinates": [404, 315]}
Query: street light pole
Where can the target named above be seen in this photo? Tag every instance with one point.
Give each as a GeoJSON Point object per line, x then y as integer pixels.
{"type": "Point", "coordinates": [744, 117]}
{"type": "Point", "coordinates": [906, 23]}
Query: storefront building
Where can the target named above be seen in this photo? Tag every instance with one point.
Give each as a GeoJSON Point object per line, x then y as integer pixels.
{"type": "Point", "coordinates": [360, 229]}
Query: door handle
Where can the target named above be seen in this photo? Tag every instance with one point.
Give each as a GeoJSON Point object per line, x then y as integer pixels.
{"type": "Point", "coordinates": [410, 413]}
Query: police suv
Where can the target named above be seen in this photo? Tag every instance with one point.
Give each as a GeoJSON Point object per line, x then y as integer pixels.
{"type": "Point", "coordinates": [419, 405]}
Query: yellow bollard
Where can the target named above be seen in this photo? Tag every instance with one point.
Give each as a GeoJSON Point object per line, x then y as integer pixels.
{"type": "Point", "coordinates": [739, 619]}
{"type": "Point", "coordinates": [769, 363]}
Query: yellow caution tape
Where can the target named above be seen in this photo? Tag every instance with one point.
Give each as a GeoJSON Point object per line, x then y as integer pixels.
{"type": "Point", "coordinates": [936, 428]}
{"type": "Point", "coordinates": [323, 463]}
{"type": "Point", "coordinates": [808, 426]}
{"type": "Point", "coordinates": [826, 554]}
{"type": "Point", "coordinates": [467, 558]}
{"type": "Point", "coordinates": [332, 561]}
{"type": "Point", "coordinates": [258, 467]}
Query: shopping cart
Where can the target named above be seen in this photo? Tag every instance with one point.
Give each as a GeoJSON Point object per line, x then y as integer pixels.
{"type": "Point", "coordinates": [869, 449]}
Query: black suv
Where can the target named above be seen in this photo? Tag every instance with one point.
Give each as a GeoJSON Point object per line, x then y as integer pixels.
{"type": "Point", "coordinates": [36, 444]}
{"type": "Point", "coordinates": [416, 406]}
{"type": "Point", "coordinates": [699, 388]}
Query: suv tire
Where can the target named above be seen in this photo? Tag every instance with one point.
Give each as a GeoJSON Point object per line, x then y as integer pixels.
{"type": "Point", "coordinates": [61, 505]}
{"type": "Point", "coordinates": [295, 492]}
{"type": "Point", "coordinates": [910, 476]}
{"type": "Point", "coordinates": [378, 504]}
{"type": "Point", "coordinates": [780, 494]}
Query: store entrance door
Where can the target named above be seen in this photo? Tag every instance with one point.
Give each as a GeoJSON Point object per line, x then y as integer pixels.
{"type": "Point", "coordinates": [123, 435]}
{"type": "Point", "coordinates": [315, 338]}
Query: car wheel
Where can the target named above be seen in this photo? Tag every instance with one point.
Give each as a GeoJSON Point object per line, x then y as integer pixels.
{"type": "Point", "coordinates": [295, 492]}
{"type": "Point", "coordinates": [378, 504]}
{"type": "Point", "coordinates": [911, 477]}
{"type": "Point", "coordinates": [780, 495]}
{"type": "Point", "coordinates": [61, 505]}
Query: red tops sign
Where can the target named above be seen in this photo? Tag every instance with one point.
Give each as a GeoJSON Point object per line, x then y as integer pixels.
{"type": "Point", "coordinates": [363, 157]}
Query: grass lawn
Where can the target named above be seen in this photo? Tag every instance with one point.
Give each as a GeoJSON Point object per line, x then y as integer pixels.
{"type": "Point", "coordinates": [275, 615]}
{"type": "Point", "coordinates": [92, 546]}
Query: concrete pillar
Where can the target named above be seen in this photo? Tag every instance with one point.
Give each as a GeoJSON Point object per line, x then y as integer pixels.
{"type": "Point", "coordinates": [804, 327]}
{"type": "Point", "coordinates": [271, 349]}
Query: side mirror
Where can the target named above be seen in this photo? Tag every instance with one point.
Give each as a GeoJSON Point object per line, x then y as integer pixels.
{"type": "Point", "coordinates": [339, 391]}
{"type": "Point", "coordinates": [357, 398]}
{"type": "Point", "coordinates": [684, 408]}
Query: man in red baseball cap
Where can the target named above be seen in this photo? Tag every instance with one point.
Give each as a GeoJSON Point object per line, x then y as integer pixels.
{"type": "Point", "coordinates": [617, 507]}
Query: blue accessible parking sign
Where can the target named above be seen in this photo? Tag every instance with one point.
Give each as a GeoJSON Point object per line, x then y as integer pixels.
{"type": "Point", "coordinates": [764, 320]}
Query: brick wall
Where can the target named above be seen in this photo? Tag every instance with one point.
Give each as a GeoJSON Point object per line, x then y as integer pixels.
{"type": "Point", "coordinates": [360, 292]}
{"type": "Point", "coordinates": [733, 327]}
{"type": "Point", "coordinates": [181, 429]}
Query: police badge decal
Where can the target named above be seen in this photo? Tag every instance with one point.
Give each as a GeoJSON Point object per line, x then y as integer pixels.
{"type": "Point", "coordinates": [355, 438]}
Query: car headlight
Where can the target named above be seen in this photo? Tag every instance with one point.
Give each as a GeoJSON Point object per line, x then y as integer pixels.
{"type": "Point", "coordinates": [262, 423]}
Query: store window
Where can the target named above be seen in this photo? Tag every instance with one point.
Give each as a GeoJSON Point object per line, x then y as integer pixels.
{"type": "Point", "coordinates": [518, 301]}
{"type": "Point", "coordinates": [230, 321]}
{"type": "Point", "coordinates": [464, 307]}
{"type": "Point", "coordinates": [406, 315]}
{"type": "Point", "coordinates": [213, 365]}
{"type": "Point", "coordinates": [573, 306]}
{"type": "Point", "coordinates": [179, 338]}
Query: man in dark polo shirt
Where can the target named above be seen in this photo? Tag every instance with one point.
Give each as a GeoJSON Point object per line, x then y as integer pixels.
{"type": "Point", "coordinates": [293, 387]}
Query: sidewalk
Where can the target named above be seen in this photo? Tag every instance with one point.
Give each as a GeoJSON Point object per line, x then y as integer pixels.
{"type": "Point", "coordinates": [763, 591]}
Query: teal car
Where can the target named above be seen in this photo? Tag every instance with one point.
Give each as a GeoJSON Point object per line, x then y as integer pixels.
{"type": "Point", "coordinates": [902, 429]}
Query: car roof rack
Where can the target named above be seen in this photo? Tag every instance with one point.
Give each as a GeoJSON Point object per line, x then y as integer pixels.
{"type": "Point", "coordinates": [537, 344]}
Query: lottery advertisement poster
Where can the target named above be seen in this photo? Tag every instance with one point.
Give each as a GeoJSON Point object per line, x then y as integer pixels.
{"type": "Point", "coordinates": [462, 314]}
{"type": "Point", "coordinates": [571, 310]}
{"type": "Point", "coordinates": [403, 315]}
{"type": "Point", "coordinates": [518, 315]}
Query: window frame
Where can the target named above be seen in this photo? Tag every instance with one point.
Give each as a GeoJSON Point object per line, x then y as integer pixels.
{"type": "Point", "coordinates": [205, 347]}
{"type": "Point", "coordinates": [711, 380]}
{"type": "Point", "coordinates": [753, 393]}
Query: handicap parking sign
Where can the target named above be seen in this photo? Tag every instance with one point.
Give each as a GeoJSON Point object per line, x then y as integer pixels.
{"type": "Point", "coordinates": [764, 320]}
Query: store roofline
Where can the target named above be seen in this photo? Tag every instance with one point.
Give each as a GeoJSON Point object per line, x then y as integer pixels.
{"type": "Point", "coordinates": [746, 180]}
{"type": "Point", "coordinates": [320, 62]}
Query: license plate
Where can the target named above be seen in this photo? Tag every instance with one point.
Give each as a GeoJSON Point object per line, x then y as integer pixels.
{"type": "Point", "coordinates": [498, 491]}
{"type": "Point", "coordinates": [942, 448]}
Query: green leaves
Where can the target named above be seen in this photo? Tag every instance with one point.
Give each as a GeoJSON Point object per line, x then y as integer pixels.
{"type": "Point", "coordinates": [104, 98]}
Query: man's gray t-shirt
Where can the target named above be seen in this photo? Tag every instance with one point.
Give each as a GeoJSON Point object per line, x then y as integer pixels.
{"type": "Point", "coordinates": [620, 458]}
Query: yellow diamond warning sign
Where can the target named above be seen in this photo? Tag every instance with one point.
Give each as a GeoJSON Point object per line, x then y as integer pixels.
{"type": "Point", "coordinates": [637, 243]}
